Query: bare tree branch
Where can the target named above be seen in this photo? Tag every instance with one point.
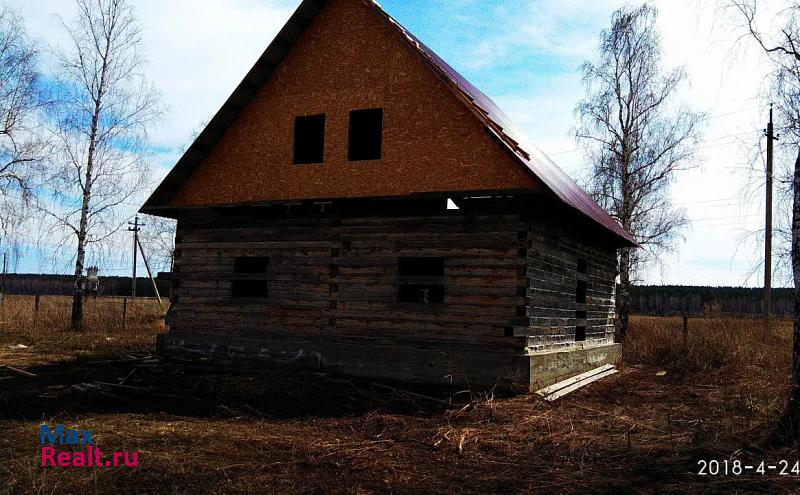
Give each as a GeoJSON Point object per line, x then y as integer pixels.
{"type": "Point", "coordinates": [634, 141]}
{"type": "Point", "coordinates": [23, 144]}
{"type": "Point", "coordinates": [105, 110]}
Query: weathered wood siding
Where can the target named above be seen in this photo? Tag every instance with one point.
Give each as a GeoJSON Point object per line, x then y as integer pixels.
{"type": "Point", "coordinates": [333, 295]}
{"type": "Point", "coordinates": [509, 292]}
{"type": "Point", "coordinates": [553, 259]}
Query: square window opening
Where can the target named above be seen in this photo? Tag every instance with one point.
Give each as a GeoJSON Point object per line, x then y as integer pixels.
{"type": "Point", "coordinates": [580, 315]}
{"type": "Point", "coordinates": [256, 288]}
{"type": "Point", "coordinates": [365, 135]}
{"type": "Point", "coordinates": [309, 139]}
{"type": "Point", "coordinates": [421, 280]}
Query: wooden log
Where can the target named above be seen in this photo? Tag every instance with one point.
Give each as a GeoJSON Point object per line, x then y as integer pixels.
{"type": "Point", "coordinates": [18, 371]}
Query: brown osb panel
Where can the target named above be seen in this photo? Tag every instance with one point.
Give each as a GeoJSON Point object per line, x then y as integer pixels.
{"type": "Point", "coordinates": [350, 59]}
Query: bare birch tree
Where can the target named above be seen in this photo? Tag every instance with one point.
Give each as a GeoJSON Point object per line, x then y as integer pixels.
{"type": "Point", "coordinates": [781, 44]}
{"type": "Point", "coordinates": [23, 145]}
{"type": "Point", "coordinates": [106, 107]}
{"type": "Point", "coordinates": [636, 139]}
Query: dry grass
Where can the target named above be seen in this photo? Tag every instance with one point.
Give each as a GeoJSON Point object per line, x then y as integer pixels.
{"type": "Point", "coordinates": [307, 433]}
{"type": "Point", "coordinates": [47, 332]}
{"type": "Point", "coordinates": [712, 343]}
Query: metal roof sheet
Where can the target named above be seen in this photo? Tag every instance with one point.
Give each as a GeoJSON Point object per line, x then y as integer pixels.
{"type": "Point", "coordinates": [516, 140]}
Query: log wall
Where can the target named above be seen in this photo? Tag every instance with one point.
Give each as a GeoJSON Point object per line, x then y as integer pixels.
{"type": "Point", "coordinates": [554, 261]}
{"type": "Point", "coordinates": [333, 295]}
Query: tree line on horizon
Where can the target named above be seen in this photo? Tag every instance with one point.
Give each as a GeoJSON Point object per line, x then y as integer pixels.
{"type": "Point", "coordinates": [29, 284]}
{"type": "Point", "coordinates": [669, 300]}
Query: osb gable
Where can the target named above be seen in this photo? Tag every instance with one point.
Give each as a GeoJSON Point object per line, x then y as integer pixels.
{"type": "Point", "coordinates": [349, 59]}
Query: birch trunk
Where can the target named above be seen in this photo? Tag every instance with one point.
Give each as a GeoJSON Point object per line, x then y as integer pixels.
{"type": "Point", "coordinates": [624, 296]}
{"type": "Point", "coordinates": [77, 296]}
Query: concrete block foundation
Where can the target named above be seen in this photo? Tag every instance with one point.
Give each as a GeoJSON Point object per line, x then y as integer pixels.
{"type": "Point", "coordinates": [548, 368]}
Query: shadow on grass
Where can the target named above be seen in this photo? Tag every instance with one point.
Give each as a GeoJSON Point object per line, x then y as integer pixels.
{"type": "Point", "coordinates": [786, 431]}
{"type": "Point", "coordinates": [60, 388]}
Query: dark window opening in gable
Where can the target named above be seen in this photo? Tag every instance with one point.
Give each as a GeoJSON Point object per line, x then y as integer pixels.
{"type": "Point", "coordinates": [421, 280]}
{"type": "Point", "coordinates": [580, 292]}
{"type": "Point", "coordinates": [366, 135]}
{"type": "Point", "coordinates": [583, 267]}
{"type": "Point", "coordinates": [252, 287]}
{"type": "Point", "coordinates": [309, 139]}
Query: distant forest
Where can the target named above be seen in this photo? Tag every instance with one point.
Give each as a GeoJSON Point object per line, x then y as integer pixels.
{"type": "Point", "coordinates": [61, 285]}
{"type": "Point", "coordinates": [670, 299]}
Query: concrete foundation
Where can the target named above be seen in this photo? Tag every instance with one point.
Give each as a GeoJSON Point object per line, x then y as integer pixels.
{"type": "Point", "coordinates": [552, 367]}
{"type": "Point", "coordinates": [478, 367]}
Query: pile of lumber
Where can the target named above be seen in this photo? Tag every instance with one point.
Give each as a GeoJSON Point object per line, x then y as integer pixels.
{"type": "Point", "coordinates": [562, 388]}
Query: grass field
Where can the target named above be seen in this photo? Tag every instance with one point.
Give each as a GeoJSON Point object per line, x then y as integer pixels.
{"type": "Point", "coordinates": [721, 398]}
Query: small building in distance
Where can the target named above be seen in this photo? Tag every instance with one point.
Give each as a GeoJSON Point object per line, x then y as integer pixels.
{"type": "Point", "coordinates": [92, 281]}
{"type": "Point", "coordinates": [358, 207]}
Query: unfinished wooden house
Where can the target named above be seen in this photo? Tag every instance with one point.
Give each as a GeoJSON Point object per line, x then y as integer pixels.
{"type": "Point", "coordinates": [358, 207]}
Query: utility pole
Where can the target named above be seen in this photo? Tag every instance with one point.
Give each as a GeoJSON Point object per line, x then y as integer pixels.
{"type": "Point", "coordinates": [135, 227]}
{"type": "Point", "coordinates": [770, 133]}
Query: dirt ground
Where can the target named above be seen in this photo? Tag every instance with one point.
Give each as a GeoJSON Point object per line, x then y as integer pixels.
{"type": "Point", "coordinates": [277, 432]}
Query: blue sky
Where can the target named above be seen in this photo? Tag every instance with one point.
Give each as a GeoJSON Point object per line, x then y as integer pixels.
{"type": "Point", "coordinates": [526, 55]}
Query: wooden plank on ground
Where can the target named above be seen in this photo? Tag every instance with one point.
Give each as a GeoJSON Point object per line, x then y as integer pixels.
{"type": "Point", "coordinates": [575, 379]}
{"type": "Point", "coordinates": [18, 371]}
{"type": "Point", "coordinates": [581, 384]}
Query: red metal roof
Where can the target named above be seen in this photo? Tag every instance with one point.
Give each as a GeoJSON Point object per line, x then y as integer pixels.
{"type": "Point", "coordinates": [518, 143]}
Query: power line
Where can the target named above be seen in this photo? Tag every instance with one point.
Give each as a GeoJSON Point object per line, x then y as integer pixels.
{"type": "Point", "coordinates": [716, 116]}
{"type": "Point", "coordinates": [727, 217]}
{"type": "Point", "coordinates": [704, 141]}
{"type": "Point", "coordinates": [712, 226]}
{"type": "Point", "coordinates": [718, 200]}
